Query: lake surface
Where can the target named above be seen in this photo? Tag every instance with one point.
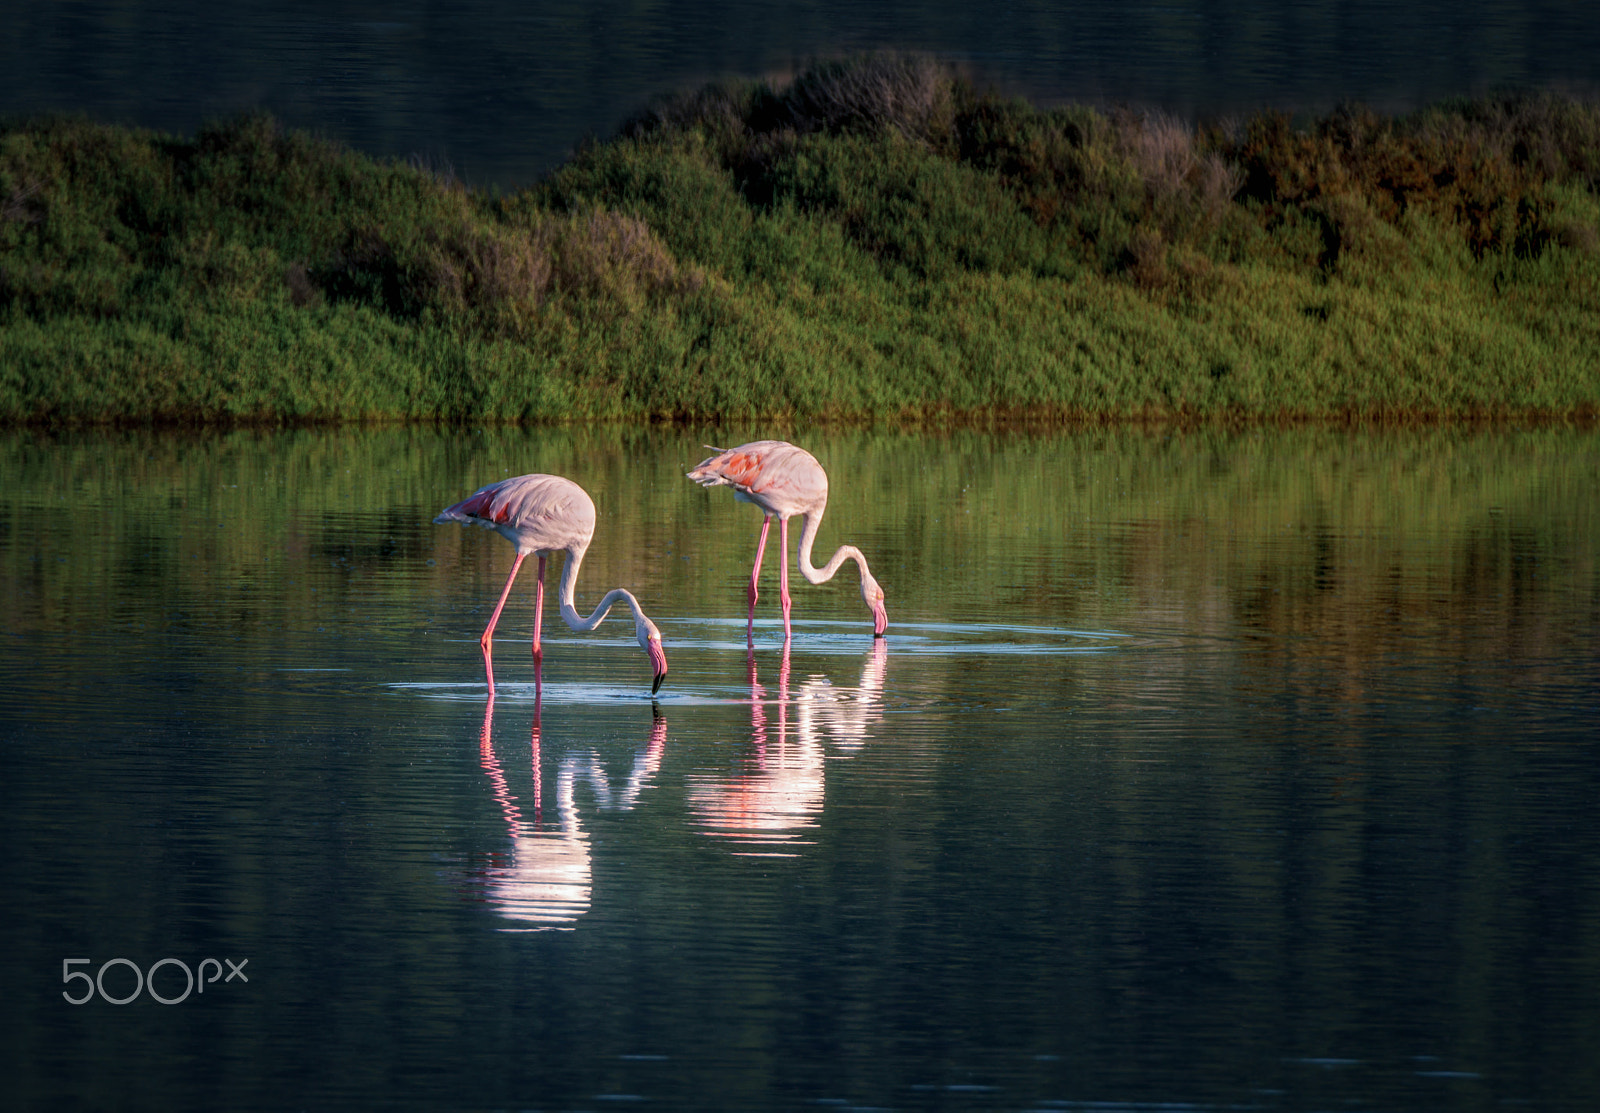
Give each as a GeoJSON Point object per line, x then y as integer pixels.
{"type": "Point", "coordinates": [1197, 771]}
{"type": "Point", "coordinates": [501, 92]}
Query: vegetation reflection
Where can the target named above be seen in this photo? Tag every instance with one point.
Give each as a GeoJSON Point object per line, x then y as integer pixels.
{"type": "Point", "coordinates": [305, 543]}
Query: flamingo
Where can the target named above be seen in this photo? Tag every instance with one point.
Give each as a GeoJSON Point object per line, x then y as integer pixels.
{"type": "Point", "coordinates": [783, 480]}
{"type": "Point", "coordinates": [544, 514]}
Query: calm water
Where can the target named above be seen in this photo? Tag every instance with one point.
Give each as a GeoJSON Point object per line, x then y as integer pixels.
{"type": "Point", "coordinates": [1206, 771]}
{"type": "Point", "coordinates": [502, 90]}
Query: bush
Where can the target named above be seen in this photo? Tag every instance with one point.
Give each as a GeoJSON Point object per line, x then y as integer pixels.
{"type": "Point", "coordinates": [875, 238]}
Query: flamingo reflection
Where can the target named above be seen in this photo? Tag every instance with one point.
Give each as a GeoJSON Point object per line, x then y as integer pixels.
{"type": "Point", "coordinates": [776, 798]}
{"type": "Point", "coordinates": [546, 880]}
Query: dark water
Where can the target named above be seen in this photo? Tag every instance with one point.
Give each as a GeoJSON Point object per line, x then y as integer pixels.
{"type": "Point", "coordinates": [1211, 771]}
{"type": "Point", "coordinates": [502, 91]}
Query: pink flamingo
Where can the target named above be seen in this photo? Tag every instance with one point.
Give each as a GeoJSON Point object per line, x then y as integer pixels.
{"type": "Point", "coordinates": [544, 514]}
{"type": "Point", "coordinates": [784, 480]}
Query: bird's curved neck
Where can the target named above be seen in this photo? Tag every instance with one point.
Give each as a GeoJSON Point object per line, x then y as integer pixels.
{"type": "Point", "coordinates": [569, 586]}
{"type": "Point", "coordinates": [810, 522]}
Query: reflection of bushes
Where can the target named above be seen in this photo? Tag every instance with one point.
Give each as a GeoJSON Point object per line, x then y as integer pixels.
{"type": "Point", "coordinates": [1378, 542]}
{"type": "Point", "coordinates": [874, 237]}
{"type": "Point", "coordinates": [1281, 529]}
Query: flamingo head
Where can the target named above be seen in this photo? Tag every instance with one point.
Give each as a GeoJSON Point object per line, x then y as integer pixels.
{"type": "Point", "coordinates": [872, 596]}
{"type": "Point", "coordinates": [650, 642]}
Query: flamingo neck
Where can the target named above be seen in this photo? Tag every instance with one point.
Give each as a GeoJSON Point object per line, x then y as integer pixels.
{"type": "Point", "coordinates": [569, 585]}
{"type": "Point", "coordinates": [810, 522]}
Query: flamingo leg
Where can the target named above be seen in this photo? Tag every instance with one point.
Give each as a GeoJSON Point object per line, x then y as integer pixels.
{"type": "Point", "coordinates": [755, 577]}
{"type": "Point", "coordinates": [488, 633]}
{"type": "Point", "coordinates": [538, 617]}
{"type": "Point", "coordinates": [783, 575]}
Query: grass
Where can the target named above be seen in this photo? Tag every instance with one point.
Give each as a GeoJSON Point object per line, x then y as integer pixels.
{"type": "Point", "coordinates": [875, 240]}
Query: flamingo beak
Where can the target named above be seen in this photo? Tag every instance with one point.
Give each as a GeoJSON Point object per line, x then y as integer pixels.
{"type": "Point", "coordinates": [658, 660]}
{"type": "Point", "coordinates": [880, 621]}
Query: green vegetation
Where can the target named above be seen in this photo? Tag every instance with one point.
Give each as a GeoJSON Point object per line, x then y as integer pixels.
{"type": "Point", "coordinates": [875, 239]}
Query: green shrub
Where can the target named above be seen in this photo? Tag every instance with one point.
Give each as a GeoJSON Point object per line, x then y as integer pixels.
{"type": "Point", "coordinates": [875, 238]}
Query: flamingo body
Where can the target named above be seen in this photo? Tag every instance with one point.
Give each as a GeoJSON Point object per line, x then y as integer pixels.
{"type": "Point", "coordinates": [781, 478]}
{"type": "Point", "coordinates": [536, 513]}
{"type": "Point", "coordinates": [544, 514]}
{"type": "Point", "coordinates": [785, 480]}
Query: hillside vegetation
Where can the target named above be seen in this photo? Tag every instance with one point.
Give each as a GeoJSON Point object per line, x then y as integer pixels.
{"type": "Point", "coordinates": [875, 239]}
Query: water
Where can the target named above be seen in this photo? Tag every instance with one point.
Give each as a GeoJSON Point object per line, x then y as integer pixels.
{"type": "Point", "coordinates": [1197, 771]}
{"type": "Point", "coordinates": [502, 92]}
